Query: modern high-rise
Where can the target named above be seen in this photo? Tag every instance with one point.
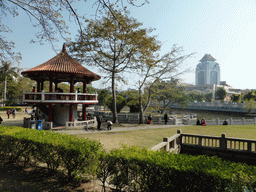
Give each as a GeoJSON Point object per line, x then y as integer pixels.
{"type": "Point", "coordinates": [207, 71]}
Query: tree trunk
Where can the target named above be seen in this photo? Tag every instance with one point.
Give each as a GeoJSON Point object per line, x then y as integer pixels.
{"type": "Point", "coordinates": [5, 90]}
{"type": "Point", "coordinates": [141, 120]}
{"type": "Point", "coordinates": [115, 119]}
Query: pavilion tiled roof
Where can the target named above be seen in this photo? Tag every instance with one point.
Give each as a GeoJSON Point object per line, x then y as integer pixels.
{"type": "Point", "coordinates": [62, 64]}
{"type": "Point", "coordinates": [207, 57]}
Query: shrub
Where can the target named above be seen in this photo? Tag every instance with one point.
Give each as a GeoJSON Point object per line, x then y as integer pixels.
{"type": "Point", "coordinates": [143, 170]}
{"type": "Point", "coordinates": [72, 153]}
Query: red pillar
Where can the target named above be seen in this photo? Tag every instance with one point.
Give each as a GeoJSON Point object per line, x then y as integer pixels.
{"type": "Point", "coordinates": [50, 86]}
{"type": "Point", "coordinates": [56, 86]}
{"type": "Point", "coordinates": [42, 86]}
{"type": "Point", "coordinates": [50, 112]}
{"type": "Point", "coordinates": [70, 113]}
{"type": "Point", "coordinates": [84, 106]}
{"type": "Point", "coordinates": [71, 86]}
{"type": "Point", "coordinates": [38, 86]}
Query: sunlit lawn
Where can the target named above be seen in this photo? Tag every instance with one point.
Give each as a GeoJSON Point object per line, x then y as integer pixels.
{"type": "Point", "coordinates": [149, 138]}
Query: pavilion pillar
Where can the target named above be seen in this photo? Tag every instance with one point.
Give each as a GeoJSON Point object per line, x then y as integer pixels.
{"type": "Point", "coordinates": [50, 86]}
{"type": "Point", "coordinates": [37, 86]}
{"type": "Point", "coordinates": [42, 86]}
{"type": "Point", "coordinates": [56, 86]}
{"type": "Point", "coordinates": [71, 86]}
{"type": "Point", "coordinates": [70, 113]}
{"type": "Point", "coordinates": [50, 113]}
{"type": "Point", "coordinates": [84, 106]}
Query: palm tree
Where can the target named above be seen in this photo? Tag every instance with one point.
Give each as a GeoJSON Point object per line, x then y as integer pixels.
{"type": "Point", "coordinates": [6, 70]}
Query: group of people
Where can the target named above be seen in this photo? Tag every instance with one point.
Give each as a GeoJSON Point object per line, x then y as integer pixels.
{"type": "Point", "coordinates": [99, 121]}
{"type": "Point", "coordinates": [11, 112]}
{"type": "Point", "coordinates": [202, 122]}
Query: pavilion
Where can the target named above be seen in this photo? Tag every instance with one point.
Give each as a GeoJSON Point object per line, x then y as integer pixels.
{"type": "Point", "coordinates": [55, 106]}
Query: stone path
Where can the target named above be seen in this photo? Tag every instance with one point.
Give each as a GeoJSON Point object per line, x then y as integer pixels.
{"type": "Point", "coordinates": [18, 121]}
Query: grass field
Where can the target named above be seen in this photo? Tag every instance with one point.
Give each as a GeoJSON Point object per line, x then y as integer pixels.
{"type": "Point", "coordinates": [150, 138]}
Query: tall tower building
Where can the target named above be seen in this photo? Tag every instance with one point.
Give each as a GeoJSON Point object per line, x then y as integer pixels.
{"type": "Point", "coordinates": [207, 71]}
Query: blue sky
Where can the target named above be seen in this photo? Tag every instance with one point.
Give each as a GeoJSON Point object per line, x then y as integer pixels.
{"type": "Point", "coordinates": [226, 29]}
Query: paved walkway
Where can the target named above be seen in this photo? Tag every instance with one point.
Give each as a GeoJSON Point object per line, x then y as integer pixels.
{"type": "Point", "coordinates": [18, 121]}
{"type": "Point", "coordinates": [126, 127]}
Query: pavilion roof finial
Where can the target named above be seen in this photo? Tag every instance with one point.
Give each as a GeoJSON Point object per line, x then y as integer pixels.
{"type": "Point", "coordinates": [64, 48]}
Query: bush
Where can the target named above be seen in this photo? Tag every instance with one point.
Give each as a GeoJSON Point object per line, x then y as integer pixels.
{"type": "Point", "coordinates": [72, 153]}
{"type": "Point", "coordinates": [143, 170]}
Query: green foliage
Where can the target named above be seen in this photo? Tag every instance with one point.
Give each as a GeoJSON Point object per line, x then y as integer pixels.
{"type": "Point", "coordinates": [236, 98]}
{"type": "Point", "coordinates": [208, 97]}
{"type": "Point", "coordinates": [144, 170]}
{"type": "Point", "coordinates": [74, 154]}
{"type": "Point", "coordinates": [169, 93]}
{"type": "Point", "coordinates": [6, 108]}
{"type": "Point", "coordinates": [132, 98]}
{"type": "Point", "coordinates": [249, 105]}
{"type": "Point", "coordinates": [249, 95]}
{"type": "Point", "coordinates": [103, 96]}
{"type": "Point", "coordinates": [221, 94]}
{"type": "Point", "coordinates": [120, 103]}
{"type": "Point", "coordinates": [116, 44]}
{"type": "Point", "coordinates": [198, 97]}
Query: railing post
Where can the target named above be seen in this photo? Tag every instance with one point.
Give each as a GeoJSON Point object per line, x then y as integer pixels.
{"type": "Point", "coordinates": [179, 131]}
{"type": "Point", "coordinates": [76, 96]}
{"type": "Point", "coordinates": [159, 120]}
{"type": "Point", "coordinates": [166, 139]}
{"type": "Point", "coordinates": [218, 121]}
{"type": "Point", "coordinates": [200, 141]}
{"type": "Point", "coordinates": [231, 121]}
{"type": "Point", "coordinates": [243, 121]}
{"type": "Point", "coordinates": [43, 96]}
{"type": "Point", "coordinates": [223, 142]}
{"type": "Point", "coordinates": [249, 146]}
{"type": "Point", "coordinates": [254, 120]}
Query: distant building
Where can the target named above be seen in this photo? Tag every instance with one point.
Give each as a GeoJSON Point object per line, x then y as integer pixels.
{"type": "Point", "coordinates": [207, 71]}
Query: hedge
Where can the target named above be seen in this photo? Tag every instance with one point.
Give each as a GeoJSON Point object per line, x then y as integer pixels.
{"type": "Point", "coordinates": [10, 107]}
{"type": "Point", "coordinates": [134, 169]}
{"type": "Point", "coordinates": [74, 154]}
{"type": "Point", "coordinates": [127, 169]}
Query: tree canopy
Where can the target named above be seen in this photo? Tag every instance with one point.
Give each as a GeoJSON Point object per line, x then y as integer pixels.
{"type": "Point", "coordinates": [221, 94]}
{"type": "Point", "coordinates": [49, 17]}
{"type": "Point", "coordinates": [116, 44]}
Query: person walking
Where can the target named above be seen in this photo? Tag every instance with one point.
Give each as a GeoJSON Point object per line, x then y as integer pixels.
{"type": "Point", "coordinates": [165, 118]}
{"type": "Point", "coordinates": [13, 113]}
{"type": "Point", "coordinates": [98, 122]}
{"type": "Point", "coordinates": [150, 119]}
{"type": "Point", "coordinates": [1, 120]}
{"type": "Point", "coordinates": [8, 113]}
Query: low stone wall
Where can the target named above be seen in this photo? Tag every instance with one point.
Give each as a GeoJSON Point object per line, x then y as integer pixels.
{"type": "Point", "coordinates": [231, 121]}
{"type": "Point", "coordinates": [134, 119]}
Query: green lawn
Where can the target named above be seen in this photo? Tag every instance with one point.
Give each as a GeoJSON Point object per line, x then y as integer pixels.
{"type": "Point", "coordinates": [150, 138]}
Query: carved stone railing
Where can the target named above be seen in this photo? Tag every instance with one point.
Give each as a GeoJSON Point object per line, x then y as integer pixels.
{"type": "Point", "coordinates": [223, 142]}
{"type": "Point", "coordinates": [180, 139]}
{"type": "Point", "coordinates": [171, 144]}
{"type": "Point", "coordinates": [43, 97]}
{"type": "Point", "coordinates": [81, 124]}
